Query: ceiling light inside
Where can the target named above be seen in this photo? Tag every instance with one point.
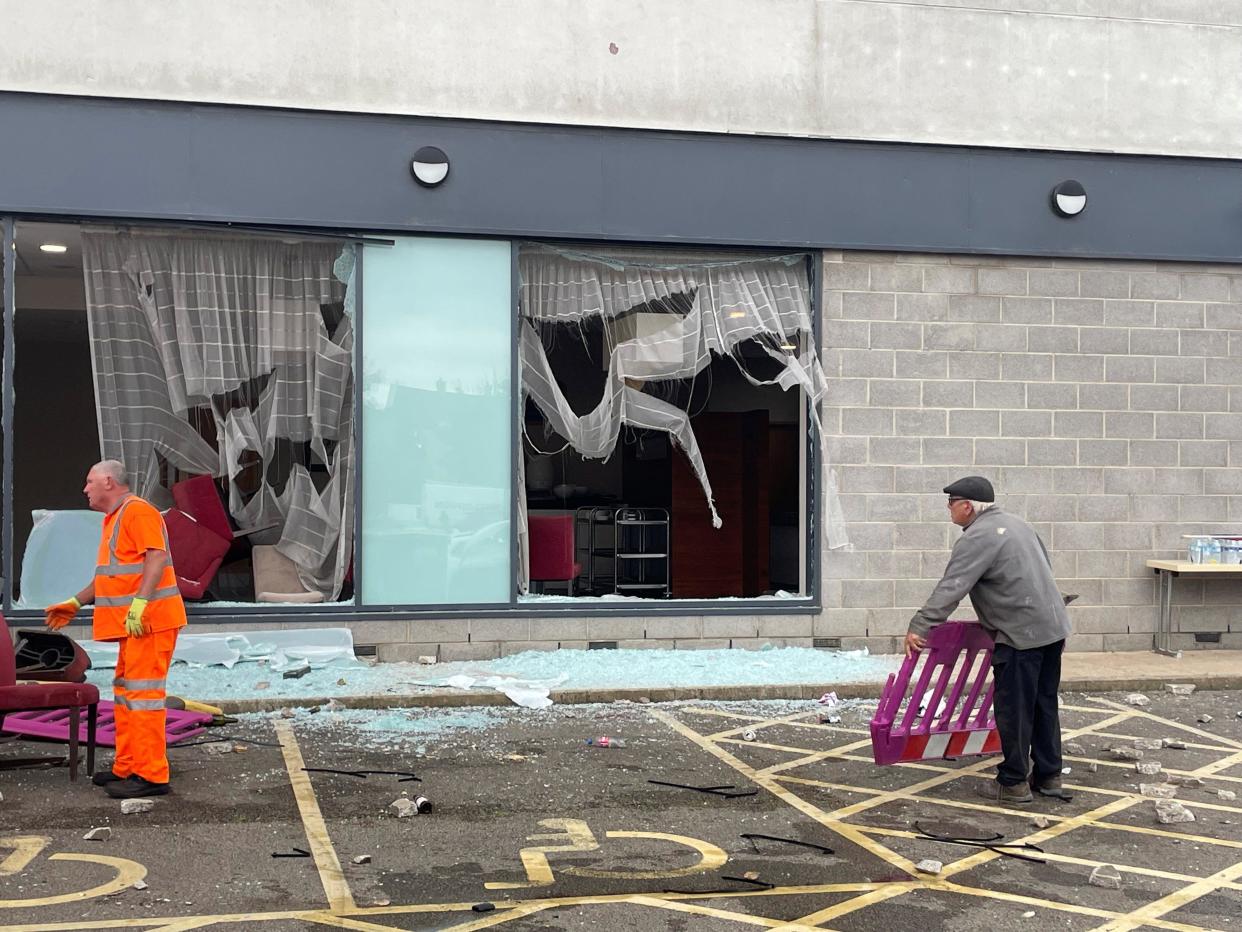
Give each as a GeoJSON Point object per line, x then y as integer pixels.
{"type": "Point", "coordinates": [54, 247]}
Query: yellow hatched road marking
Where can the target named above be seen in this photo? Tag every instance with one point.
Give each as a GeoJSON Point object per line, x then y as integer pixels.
{"type": "Point", "coordinates": [335, 887]}
{"type": "Point", "coordinates": [712, 912]}
{"type": "Point", "coordinates": [1191, 729]}
{"type": "Point", "coordinates": [1145, 915]}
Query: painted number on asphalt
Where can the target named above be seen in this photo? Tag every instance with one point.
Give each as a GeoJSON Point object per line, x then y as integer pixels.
{"type": "Point", "coordinates": [576, 835]}
{"type": "Point", "coordinates": [22, 850]}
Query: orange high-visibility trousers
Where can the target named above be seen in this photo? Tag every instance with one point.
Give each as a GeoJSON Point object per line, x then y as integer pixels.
{"type": "Point", "coordinates": [138, 691]}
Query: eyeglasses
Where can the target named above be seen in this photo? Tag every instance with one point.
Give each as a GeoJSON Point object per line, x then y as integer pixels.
{"type": "Point", "coordinates": [954, 501]}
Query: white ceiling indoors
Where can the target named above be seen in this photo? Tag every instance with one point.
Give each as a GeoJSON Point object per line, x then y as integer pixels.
{"type": "Point", "coordinates": [46, 281]}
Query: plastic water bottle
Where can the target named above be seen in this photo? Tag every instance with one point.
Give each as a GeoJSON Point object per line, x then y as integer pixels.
{"type": "Point", "coordinates": [1212, 554]}
{"type": "Point", "coordinates": [605, 742]}
{"type": "Point", "coordinates": [1195, 550]}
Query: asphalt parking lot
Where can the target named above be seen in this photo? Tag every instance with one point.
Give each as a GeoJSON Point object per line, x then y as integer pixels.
{"type": "Point", "coordinates": [552, 833]}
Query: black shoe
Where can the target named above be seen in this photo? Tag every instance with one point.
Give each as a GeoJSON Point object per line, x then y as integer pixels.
{"type": "Point", "coordinates": [104, 777]}
{"type": "Point", "coordinates": [133, 787]}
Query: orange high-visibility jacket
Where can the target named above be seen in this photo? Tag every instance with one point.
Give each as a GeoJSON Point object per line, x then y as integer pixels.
{"type": "Point", "coordinates": [133, 528]}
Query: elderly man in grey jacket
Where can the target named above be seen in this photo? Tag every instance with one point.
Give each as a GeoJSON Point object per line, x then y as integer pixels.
{"type": "Point", "coordinates": [1000, 562]}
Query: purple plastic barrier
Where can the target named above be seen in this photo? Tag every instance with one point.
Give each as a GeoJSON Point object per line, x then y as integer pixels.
{"type": "Point", "coordinates": [964, 726]}
{"type": "Point", "coordinates": [54, 724]}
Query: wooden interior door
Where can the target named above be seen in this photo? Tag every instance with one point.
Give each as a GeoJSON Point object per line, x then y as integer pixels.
{"type": "Point", "coordinates": [732, 560]}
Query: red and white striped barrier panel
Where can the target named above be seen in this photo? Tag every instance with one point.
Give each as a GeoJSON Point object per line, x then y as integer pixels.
{"type": "Point", "coordinates": [944, 711]}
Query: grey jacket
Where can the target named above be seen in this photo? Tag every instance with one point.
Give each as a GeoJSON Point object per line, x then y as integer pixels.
{"type": "Point", "coordinates": [1000, 562]}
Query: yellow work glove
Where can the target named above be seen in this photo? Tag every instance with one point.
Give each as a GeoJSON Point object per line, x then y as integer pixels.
{"type": "Point", "coordinates": [133, 618]}
{"type": "Point", "coordinates": [61, 613]}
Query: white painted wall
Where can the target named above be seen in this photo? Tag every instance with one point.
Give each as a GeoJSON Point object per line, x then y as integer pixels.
{"type": "Point", "coordinates": [1149, 76]}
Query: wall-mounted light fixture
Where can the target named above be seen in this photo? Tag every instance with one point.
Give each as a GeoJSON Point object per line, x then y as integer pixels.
{"type": "Point", "coordinates": [1069, 199]}
{"type": "Point", "coordinates": [430, 166]}
{"type": "Point", "coordinates": [53, 247]}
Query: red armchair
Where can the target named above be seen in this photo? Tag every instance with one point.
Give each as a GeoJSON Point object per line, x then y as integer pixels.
{"type": "Point", "coordinates": [30, 697]}
{"type": "Point", "coordinates": [552, 550]}
{"type": "Point", "coordinates": [197, 552]}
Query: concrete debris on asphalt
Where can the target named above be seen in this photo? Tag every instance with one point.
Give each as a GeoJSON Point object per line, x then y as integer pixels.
{"type": "Point", "coordinates": [1175, 744]}
{"type": "Point", "coordinates": [1106, 876]}
{"type": "Point", "coordinates": [133, 806]}
{"type": "Point", "coordinates": [403, 807]}
{"type": "Point", "coordinates": [140, 885]}
{"type": "Point", "coordinates": [221, 747]}
{"type": "Point", "coordinates": [1148, 768]}
{"type": "Point", "coordinates": [1158, 790]}
{"type": "Point", "coordinates": [1226, 795]}
{"type": "Point", "coordinates": [928, 866]}
{"type": "Point", "coordinates": [1180, 689]}
{"type": "Point", "coordinates": [1029, 914]}
{"type": "Point", "coordinates": [1137, 699]}
{"type": "Point", "coordinates": [1074, 748]}
{"type": "Point", "coordinates": [748, 735]}
{"type": "Point", "coordinates": [98, 834]}
{"type": "Point", "coordinates": [1093, 767]}
{"type": "Point", "coordinates": [1204, 719]}
{"type": "Point", "coordinates": [1149, 744]}
{"type": "Point", "coordinates": [1126, 753]}
{"type": "Point", "coordinates": [1040, 821]}
{"type": "Point", "coordinates": [1190, 783]}
{"type": "Point", "coordinates": [1170, 811]}
{"type": "Point", "coordinates": [362, 859]}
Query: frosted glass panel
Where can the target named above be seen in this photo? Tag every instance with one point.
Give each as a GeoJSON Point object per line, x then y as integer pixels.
{"type": "Point", "coordinates": [437, 416]}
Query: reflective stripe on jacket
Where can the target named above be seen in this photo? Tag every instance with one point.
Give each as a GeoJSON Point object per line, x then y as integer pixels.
{"type": "Point", "coordinates": [128, 533]}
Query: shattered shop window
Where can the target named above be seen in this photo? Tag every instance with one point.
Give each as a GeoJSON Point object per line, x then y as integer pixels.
{"type": "Point", "coordinates": [218, 368]}
{"type": "Point", "coordinates": [664, 432]}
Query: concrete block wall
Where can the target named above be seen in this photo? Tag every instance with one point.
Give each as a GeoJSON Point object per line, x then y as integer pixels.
{"type": "Point", "coordinates": [1103, 400]}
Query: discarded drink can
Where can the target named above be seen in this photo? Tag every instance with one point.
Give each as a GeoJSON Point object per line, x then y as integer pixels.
{"type": "Point", "coordinates": [748, 736]}
{"type": "Point", "coordinates": [605, 742]}
{"type": "Point", "coordinates": [422, 804]}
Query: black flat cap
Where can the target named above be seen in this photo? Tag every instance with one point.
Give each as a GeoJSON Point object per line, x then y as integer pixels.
{"type": "Point", "coordinates": [975, 488]}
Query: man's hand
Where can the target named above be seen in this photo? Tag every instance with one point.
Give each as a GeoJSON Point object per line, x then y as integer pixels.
{"type": "Point", "coordinates": [914, 644]}
{"type": "Point", "coordinates": [61, 613]}
{"type": "Point", "coordinates": [133, 618]}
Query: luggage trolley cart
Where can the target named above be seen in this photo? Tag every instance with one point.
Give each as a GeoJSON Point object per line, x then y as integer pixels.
{"type": "Point", "coordinates": [642, 551]}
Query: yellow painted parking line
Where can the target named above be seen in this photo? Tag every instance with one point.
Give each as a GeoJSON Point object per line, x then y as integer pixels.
{"type": "Point", "coordinates": [1145, 915]}
{"type": "Point", "coordinates": [335, 887]}
{"type": "Point", "coordinates": [1190, 745]}
{"type": "Point", "coordinates": [841, 909]}
{"type": "Point", "coordinates": [759, 724]}
{"type": "Point", "coordinates": [711, 912]}
{"type": "Point", "coordinates": [344, 922]}
{"type": "Point", "coordinates": [497, 918]}
{"type": "Point", "coordinates": [1066, 859]}
{"type": "Point", "coordinates": [1190, 729]}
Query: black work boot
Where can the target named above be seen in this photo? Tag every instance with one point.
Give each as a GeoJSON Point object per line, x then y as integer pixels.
{"type": "Point", "coordinates": [1019, 794]}
{"type": "Point", "coordinates": [1050, 786]}
{"type": "Point", "coordinates": [133, 787]}
{"type": "Point", "coordinates": [104, 777]}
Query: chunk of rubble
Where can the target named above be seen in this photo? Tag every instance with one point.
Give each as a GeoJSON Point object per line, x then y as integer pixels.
{"type": "Point", "coordinates": [1106, 876]}
{"type": "Point", "coordinates": [1148, 768]}
{"type": "Point", "coordinates": [287, 713]}
{"type": "Point", "coordinates": [134, 806]}
{"type": "Point", "coordinates": [1177, 744]}
{"type": "Point", "coordinates": [1092, 767]}
{"type": "Point", "coordinates": [1040, 821]}
{"type": "Point", "coordinates": [1126, 753]}
{"type": "Point", "coordinates": [1170, 811]}
{"type": "Point", "coordinates": [1190, 783]}
{"type": "Point", "coordinates": [103, 833]}
{"type": "Point", "coordinates": [140, 885]}
{"type": "Point", "coordinates": [404, 807]}
{"type": "Point", "coordinates": [362, 859]}
{"type": "Point", "coordinates": [1227, 795]}
{"type": "Point", "coordinates": [1204, 719]}
{"type": "Point", "coordinates": [1158, 790]}
{"type": "Point", "coordinates": [426, 659]}
{"type": "Point", "coordinates": [1137, 699]}
{"type": "Point", "coordinates": [1148, 744]}
{"type": "Point", "coordinates": [1073, 747]}
{"type": "Point", "coordinates": [1180, 689]}
{"type": "Point", "coordinates": [220, 747]}
{"type": "Point", "coordinates": [928, 866]}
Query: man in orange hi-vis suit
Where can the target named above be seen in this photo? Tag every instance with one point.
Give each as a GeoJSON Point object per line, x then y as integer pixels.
{"type": "Point", "coordinates": [137, 603]}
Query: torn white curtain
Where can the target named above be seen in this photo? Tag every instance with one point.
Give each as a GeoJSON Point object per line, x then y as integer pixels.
{"type": "Point", "coordinates": [179, 321]}
{"type": "Point", "coordinates": [712, 304]}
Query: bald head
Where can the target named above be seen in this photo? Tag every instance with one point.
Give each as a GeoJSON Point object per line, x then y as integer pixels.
{"type": "Point", "coordinates": [106, 484]}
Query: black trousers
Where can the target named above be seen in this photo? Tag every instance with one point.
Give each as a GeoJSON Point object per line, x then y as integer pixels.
{"type": "Point", "coordinates": [1027, 718]}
